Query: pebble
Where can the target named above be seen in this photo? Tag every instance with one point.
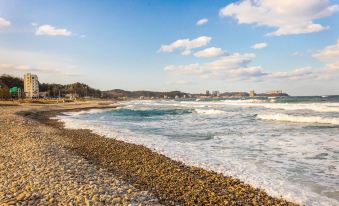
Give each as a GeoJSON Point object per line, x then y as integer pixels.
{"type": "Point", "coordinates": [38, 168]}
{"type": "Point", "coordinates": [116, 200]}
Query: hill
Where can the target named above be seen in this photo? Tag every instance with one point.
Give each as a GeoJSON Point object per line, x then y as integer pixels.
{"type": "Point", "coordinates": [119, 93]}
{"type": "Point", "coordinates": [51, 90]}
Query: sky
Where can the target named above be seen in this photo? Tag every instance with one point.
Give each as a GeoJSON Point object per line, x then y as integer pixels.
{"type": "Point", "coordinates": [191, 45]}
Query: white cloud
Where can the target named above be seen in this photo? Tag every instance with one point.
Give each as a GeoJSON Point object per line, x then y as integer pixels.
{"type": "Point", "coordinates": [287, 16]}
{"type": "Point", "coordinates": [333, 67]}
{"type": "Point", "coordinates": [330, 57]}
{"type": "Point", "coordinates": [233, 66]}
{"type": "Point", "coordinates": [232, 61]}
{"type": "Point", "coordinates": [237, 67]}
{"type": "Point", "coordinates": [209, 52]}
{"type": "Point", "coordinates": [328, 53]}
{"type": "Point", "coordinates": [201, 22]}
{"type": "Point", "coordinates": [296, 74]}
{"type": "Point", "coordinates": [248, 73]}
{"type": "Point", "coordinates": [4, 22]}
{"type": "Point", "coordinates": [52, 31]}
{"type": "Point", "coordinates": [186, 45]}
{"type": "Point", "coordinates": [259, 45]}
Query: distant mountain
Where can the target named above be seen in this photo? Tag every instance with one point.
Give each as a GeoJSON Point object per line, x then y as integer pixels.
{"type": "Point", "coordinates": [119, 93]}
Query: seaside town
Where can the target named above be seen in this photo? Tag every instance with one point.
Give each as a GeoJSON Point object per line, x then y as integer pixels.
{"type": "Point", "coordinates": [29, 87]}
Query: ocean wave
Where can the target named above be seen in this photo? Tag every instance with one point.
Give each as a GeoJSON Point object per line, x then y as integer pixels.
{"type": "Point", "coordinates": [196, 155]}
{"type": "Point", "coordinates": [318, 107]}
{"type": "Point", "coordinates": [84, 112]}
{"type": "Point", "coordinates": [209, 111]}
{"type": "Point", "coordinates": [299, 119]}
{"type": "Point", "coordinates": [149, 112]}
{"type": "Point", "coordinates": [246, 101]}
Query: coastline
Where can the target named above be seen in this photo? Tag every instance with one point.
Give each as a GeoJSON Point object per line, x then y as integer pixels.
{"type": "Point", "coordinates": [87, 160]}
{"type": "Point", "coordinates": [172, 182]}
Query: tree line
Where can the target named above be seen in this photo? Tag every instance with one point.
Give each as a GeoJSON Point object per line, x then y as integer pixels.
{"type": "Point", "coordinates": [51, 90]}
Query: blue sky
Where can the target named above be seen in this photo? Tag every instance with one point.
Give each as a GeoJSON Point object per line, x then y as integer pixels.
{"type": "Point", "coordinates": [158, 45]}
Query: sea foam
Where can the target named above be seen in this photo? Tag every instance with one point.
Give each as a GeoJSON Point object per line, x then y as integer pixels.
{"type": "Point", "coordinates": [299, 119]}
{"type": "Point", "coordinates": [295, 161]}
{"type": "Point", "coordinates": [209, 111]}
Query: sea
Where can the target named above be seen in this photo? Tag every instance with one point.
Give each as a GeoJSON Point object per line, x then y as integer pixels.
{"type": "Point", "coordinates": [288, 146]}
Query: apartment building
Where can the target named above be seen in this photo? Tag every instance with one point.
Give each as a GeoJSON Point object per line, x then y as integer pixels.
{"type": "Point", "coordinates": [31, 86]}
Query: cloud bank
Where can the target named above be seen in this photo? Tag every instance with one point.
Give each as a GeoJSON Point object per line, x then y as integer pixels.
{"type": "Point", "coordinates": [288, 17]}
{"type": "Point", "coordinates": [234, 66]}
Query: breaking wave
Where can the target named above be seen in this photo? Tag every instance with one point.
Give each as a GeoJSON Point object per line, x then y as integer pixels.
{"type": "Point", "coordinates": [299, 119]}
{"type": "Point", "coordinates": [150, 112]}
{"type": "Point", "coordinates": [209, 111]}
{"type": "Point", "coordinates": [318, 107]}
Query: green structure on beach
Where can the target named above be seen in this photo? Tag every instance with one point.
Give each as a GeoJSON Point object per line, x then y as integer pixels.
{"type": "Point", "coordinates": [13, 90]}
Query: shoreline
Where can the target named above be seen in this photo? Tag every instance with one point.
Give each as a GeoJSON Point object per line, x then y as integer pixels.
{"type": "Point", "coordinates": [172, 182]}
{"type": "Point", "coordinates": [38, 166]}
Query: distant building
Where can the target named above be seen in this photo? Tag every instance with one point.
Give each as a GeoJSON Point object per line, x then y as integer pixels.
{"type": "Point", "coordinates": [252, 93]}
{"type": "Point", "coordinates": [274, 92]}
{"type": "Point", "coordinates": [216, 93]}
{"type": "Point", "coordinates": [31, 86]}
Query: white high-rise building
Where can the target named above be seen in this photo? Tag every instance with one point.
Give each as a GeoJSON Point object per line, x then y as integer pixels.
{"type": "Point", "coordinates": [31, 86]}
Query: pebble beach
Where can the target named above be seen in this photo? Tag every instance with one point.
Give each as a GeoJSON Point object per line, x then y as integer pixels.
{"type": "Point", "coordinates": [41, 163]}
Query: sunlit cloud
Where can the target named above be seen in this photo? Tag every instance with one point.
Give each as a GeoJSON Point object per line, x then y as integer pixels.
{"type": "Point", "coordinates": [234, 66]}
{"type": "Point", "coordinates": [210, 52]}
{"type": "Point", "coordinates": [288, 17]}
{"type": "Point", "coordinates": [186, 45]}
{"type": "Point", "coordinates": [259, 45]}
{"type": "Point", "coordinates": [52, 31]}
{"type": "Point", "coordinates": [4, 22]}
{"type": "Point", "coordinates": [330, 52]}
{"type": "Point", "coordinates": [201, 22]}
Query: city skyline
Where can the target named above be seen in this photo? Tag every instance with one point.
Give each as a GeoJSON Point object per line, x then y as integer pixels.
{"type": "Point", "coordinates": [190, 46]}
